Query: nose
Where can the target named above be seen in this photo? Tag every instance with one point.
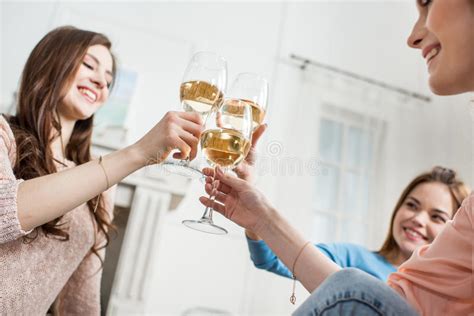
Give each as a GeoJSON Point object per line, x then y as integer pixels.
{"type": "Point", "coordinates": [418, 34]}
{"type": "Point", "coordinates": [421, 219]}
{"type": "Point", "coordinates": [99, 80]}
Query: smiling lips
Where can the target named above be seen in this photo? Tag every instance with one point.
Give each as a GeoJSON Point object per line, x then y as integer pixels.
{"type": "Point", "coordinates": [89, 94]}
{"type": "Point", "coordinates": [431, 51]}
{"type": "Point", "coordinates": [413, 234]}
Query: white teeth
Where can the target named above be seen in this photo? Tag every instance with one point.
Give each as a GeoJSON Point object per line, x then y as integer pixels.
{"type": "Point", "coordinates": [88, 93]}
{"type": "Point", "coordinates": [413, 233]}
{"type": "Point", "coordinates": [432, 53]}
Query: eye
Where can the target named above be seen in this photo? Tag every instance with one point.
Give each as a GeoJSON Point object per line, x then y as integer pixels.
{"type": "Point", "coordinates": [424, 3]}
{"type": "Point", "coordinates": [88, 65]}
{"type": "Point", "coordinates": [411, 205]}
{"type": "Point", "coordinates": [438, 218]}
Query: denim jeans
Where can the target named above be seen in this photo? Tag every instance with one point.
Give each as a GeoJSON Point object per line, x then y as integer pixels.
{"type": "Point", "coordinates": [354, 292]}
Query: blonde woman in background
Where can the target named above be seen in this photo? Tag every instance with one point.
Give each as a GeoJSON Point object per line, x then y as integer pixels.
{"type": "Point", "coordinates": [424, 207]}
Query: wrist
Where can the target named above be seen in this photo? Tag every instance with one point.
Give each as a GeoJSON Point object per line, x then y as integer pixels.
{"type": "Point", "coordinates": [251, 235]}
{"type": "Point", "coordinates": [247, 178]}
{"type": "Point", "coordinates": [267, 223]}
{"type": "Point", "coordinates": [136, 156]}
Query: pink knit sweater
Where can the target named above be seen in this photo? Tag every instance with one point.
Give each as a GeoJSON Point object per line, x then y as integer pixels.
{"type": "Point", "coordinates": [46, 271]}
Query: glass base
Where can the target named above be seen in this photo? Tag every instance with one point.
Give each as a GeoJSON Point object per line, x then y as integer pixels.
{"type": "Point", "coordinates": [182, 170]}
{"type": "Point", "coordinates": [205, 225]}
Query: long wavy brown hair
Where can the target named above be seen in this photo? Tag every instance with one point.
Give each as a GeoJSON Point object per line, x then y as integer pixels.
{"type": "Point", "coordinates": [45, 81]}
{"type": "Point", "coordinates": [459, 191]}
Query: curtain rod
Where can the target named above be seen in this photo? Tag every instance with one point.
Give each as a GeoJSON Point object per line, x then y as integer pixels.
{"type": "Point", "coordinates": [306, 62]}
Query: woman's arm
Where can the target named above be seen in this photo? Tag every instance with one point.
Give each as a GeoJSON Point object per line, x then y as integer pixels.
{"type": "Point", "coordinates": [264, 258]}
{"type": "Point", "coordinates": [245, 172]}
{"type": "Point", "coordinates": [239, 201]}
{"type": "Point", "coordinates": [343, 254]}
{"type": "Point", "coordinates": [312, 266]}
{"type": "Point", "coordinates": [45, 198]}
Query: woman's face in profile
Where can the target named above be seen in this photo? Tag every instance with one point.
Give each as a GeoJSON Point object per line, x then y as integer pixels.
{"type": "Point", "coordinates": [444, 33]}
{"type": "Point", "coordinates": [89, 89]}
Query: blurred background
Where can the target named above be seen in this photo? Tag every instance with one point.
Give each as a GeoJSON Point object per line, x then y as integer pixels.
{"type": "Point", "coordinates": [336, 155]}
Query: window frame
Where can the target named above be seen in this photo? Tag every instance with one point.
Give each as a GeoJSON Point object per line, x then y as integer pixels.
{"type": "Point", "coordinates": [374, 127]}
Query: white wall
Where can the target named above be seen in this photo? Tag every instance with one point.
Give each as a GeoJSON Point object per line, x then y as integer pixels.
{"type": "Point", "coordinates": [363, 37]}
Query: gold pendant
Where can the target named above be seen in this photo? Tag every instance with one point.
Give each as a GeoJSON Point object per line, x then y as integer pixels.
{"type": "Point", "coordinates": [293, 299]}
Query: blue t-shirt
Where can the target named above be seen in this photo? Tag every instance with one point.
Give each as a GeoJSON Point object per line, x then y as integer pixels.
{"type": "Point", "coordinates": [346, 255]}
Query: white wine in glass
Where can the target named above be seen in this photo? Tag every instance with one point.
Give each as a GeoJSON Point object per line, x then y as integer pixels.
{"type": "Point", "coordinates": [200, 96]}
{"type": "Point", "coordinates": [258, 113]}
{"type": "Point", "coordinates": [224, 147]}
{"type": "Point", "coordinates": [252, 89]}
{"type": "Point", "coordinates": [201, 91]}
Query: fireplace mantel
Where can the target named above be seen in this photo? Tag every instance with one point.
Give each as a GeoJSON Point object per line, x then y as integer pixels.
{"type": "Point", "coordinates": [149, 193]}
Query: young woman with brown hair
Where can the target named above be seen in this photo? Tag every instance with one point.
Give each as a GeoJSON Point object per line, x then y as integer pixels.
{"type": "Point", "coordinates": [424, 207]}
{"type": "Point", "coordinates": [56, 201]}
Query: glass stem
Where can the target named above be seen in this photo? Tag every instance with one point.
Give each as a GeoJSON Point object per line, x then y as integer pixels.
{"type": "Point", "coordinates": [212, 196]}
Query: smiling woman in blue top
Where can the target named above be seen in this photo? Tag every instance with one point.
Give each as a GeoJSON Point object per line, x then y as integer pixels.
{"type": "Point", "coordinates": [425, 205]}
{"type": "Point", "coordinates": [423, 208]}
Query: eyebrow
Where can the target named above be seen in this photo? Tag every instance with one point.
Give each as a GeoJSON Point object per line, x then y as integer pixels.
{"type": "Point", "coordinates": [98, 62]}
{"type": "Point", "coordinates": [414, 199]}
{"type": "Point", "coordinates": [435, 209]}
{"type": "Point", "coordinates": [441, 212]}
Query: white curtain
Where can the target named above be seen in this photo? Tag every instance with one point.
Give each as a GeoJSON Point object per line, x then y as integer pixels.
{"type": "Point", "coordinates": [324, 159]}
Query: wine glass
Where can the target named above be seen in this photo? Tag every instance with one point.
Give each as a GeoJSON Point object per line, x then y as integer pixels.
{"type": "Point", "coordinates": [225, 142]}
{"type": "Point", "coordinates": [201, 91]}
{"type": "Point", "coordinates": [252, 89]}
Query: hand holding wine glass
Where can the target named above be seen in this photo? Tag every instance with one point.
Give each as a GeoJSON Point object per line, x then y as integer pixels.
{"type": "Point", "coordinates": [245, 170]}
{"type": "Point", "coordinates": [238, 200]}
{"type": "Point", "coordinates": [176, 130]}
{"type": "Point", "coordinates": [225, 142]}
